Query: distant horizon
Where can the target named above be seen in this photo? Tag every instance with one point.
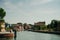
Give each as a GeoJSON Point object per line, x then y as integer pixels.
{"type": "Point", "coordinates": [30, 11]}
{"type": "Point", "coordinates": [33, 22]}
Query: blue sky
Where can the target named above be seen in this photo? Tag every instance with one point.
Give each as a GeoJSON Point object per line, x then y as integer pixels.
{"type": "Point", "coordinates": [30, 11]}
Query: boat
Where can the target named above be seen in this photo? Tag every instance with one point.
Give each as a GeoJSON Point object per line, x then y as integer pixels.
{"type": "Point", "coordinates": [4, 33]}
{"type": "Point", "coordinates": [7, 34]}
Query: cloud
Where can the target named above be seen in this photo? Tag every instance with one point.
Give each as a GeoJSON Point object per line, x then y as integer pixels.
{"type": "Point", "coordinates": [39, 2]}
{"type": "Point", "coordinates": [46, 1]}
{"type": "Point", "coordinates": [29, 11]}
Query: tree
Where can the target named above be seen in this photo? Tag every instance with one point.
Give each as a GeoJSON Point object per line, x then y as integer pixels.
{"type": "Point", "coordinates": [54, 25]}
{"type": "Point", "coordinates": [2, 13]}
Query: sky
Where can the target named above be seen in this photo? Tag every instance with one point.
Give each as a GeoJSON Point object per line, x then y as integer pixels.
{"type": "Point", "coordinates": [31, 11]}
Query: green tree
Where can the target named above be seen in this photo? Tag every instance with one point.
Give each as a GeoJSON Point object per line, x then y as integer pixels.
{"type": "Point", "coordinates": [53, 23]}
{"type": "Point", "coordinates": [2, 13]}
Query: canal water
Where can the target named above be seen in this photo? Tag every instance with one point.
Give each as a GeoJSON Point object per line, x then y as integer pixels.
{"type": "Point", "coordinates": [27, 35]}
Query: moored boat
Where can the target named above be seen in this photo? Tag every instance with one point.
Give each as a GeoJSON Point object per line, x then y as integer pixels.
{"type": "Point", "coordinates": [7, 34]}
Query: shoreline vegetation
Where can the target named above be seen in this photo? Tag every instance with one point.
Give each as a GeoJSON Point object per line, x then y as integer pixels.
{"type": "Point", "coordinates": [55, 32]}
{"type": "Point", "coordinates": [48, 32]}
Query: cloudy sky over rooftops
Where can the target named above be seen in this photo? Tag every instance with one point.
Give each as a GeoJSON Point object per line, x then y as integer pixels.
{"type": "Point", "coordinates": [30, 11]}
